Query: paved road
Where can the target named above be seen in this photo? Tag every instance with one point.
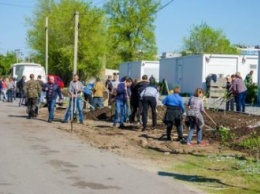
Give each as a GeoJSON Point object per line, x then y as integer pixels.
{"type": "Point", "coordinates": [36, 158]}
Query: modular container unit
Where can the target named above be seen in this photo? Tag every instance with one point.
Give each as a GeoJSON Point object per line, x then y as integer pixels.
{"type": "Point", "coordinates": [258, 78]}
{"type": "Point", "coordinates": [190, 72]}
{"type": "Point", "coordinates": [136, 70]}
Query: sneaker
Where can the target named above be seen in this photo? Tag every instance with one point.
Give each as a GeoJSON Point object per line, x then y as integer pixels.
{"type": "Point", "coordinates": [202, 144]}
{"type": "Point", "coordinates": [189, 144]}
{"type": "Point", "coordinates": [183, 141]}
{"type": "Point", "coordinates": [144, 129]}
{"type": "Point", "coordinates": [49, 121]}
{"type": "Point", "coordinates": [122, 126]}
{"type": "Point", "coordinates": [114, 125]}
{"type": "Point", "coordinates": [81, 122]}
{"type": "Point", "coordinates": [168, 139]}
{"type": "Point", "coordinates": [64, 121]}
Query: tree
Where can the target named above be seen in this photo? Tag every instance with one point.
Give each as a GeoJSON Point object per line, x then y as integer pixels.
{"type": "Point", "coordinates": [92, 37]}
{"type": "Point", "coordinates": [204, 39]}
{"type": "Point", "coordinates": [6, 61]}
{"type": "Point", "coordinates": [131, 30]}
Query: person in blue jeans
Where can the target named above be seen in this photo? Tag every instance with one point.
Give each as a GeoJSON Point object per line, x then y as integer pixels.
{"type": "Point", "coordinates": [194, 117]}
{"type": "Point", "coordinates": [239, 90]}
{"type": "Point", "coordinates": [1, 88]}
{"type": "Point", "coordinates": [75, 103]}
{"type": "Point", "coordinates": [121, 99]}
{"type": "Point", "coordinates": [52, 91]}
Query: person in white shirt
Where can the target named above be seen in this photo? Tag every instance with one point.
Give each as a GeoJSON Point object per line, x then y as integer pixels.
{"type": "Point", "coordinates": [150, 96]}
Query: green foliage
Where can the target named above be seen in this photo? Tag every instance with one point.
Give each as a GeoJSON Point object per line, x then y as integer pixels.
{"type": "Point", "coordinates": [252, 90]}
{"type": "Point", "coordinates": [92, 37]}
{"type": "Point", "coordinates": [226, 136]}
{"type": "Point", "coordinates": [204, 39]}
{"type": "Point", "coordinates": [131, 30]}
{"type": "Point", "coordinates": [6, 61]}
{"type": "Point", "coordinates": [252, 143]}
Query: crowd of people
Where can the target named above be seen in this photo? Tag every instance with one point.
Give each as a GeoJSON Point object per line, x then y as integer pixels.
{"type": "Point", "coordinates": [129, 99]}
{"type": "Point", "coordinates": [7, 89]}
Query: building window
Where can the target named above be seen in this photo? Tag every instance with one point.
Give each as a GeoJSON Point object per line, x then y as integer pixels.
{"type": "Point", "coordinates": [252, 66]}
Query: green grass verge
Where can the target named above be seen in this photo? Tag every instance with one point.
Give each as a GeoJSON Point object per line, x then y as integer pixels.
{"type": "Point", "coordinates": [217, 173]}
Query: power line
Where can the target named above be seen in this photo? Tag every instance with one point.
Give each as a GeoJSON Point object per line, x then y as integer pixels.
{"type": "Point", "coordinates": [165, 5]}
{"type": "Point", "coordinates": [15, 5]}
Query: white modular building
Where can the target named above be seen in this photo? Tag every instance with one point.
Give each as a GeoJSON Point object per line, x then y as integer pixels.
{"type": "Point", "coordinates": [190, 72]}
{"type": "Point", "coordinates": [136, 70]}
{"type": "Point", "coordinates": [258, 78]}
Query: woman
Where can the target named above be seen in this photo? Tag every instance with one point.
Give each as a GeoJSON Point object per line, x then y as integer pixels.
{"type": "Point", "coordinates": [239, 90]}
{"type": "Point", "coordinates": [10, 90]}
{"type": "Point", "coordinates": [173, 115]}
{"type": "Point", "coordinates": [4, 88]}
{"type": "Point", "coordinates": [194, 116]}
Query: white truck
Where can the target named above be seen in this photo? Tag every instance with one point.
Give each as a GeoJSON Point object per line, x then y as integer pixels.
{"type": "Point", "coordinates": [18, 70]}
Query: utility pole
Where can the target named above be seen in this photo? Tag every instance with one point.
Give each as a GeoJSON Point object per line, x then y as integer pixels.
{"type": "Point", "coordinates": [17, 52]}
{"type": "Point", "coordinates": [46, 45]}
{"type": "Point", "coordinates": [76, 42]}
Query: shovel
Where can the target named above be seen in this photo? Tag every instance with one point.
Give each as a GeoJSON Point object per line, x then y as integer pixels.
{"type": "Point", "coordinates": [210, 118]}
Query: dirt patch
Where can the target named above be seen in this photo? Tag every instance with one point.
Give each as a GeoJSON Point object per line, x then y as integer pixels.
{"type": "Point", "coordinates": [131, 142]}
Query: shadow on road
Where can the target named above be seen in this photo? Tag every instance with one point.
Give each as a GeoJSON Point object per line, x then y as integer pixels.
{"type": "Point", "coordinates": [209, 182]}
{"type": "Point", "coordinates": [18, 116]}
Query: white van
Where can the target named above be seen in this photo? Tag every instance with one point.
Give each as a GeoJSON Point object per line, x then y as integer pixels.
{"type": "Point", "coordinates": [25, 69]}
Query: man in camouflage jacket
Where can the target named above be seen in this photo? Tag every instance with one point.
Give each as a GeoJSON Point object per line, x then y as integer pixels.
{"type": "Point", "coordinates": [32, 89]}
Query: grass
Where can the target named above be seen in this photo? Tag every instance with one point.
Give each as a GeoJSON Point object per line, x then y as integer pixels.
{"type": "Point", "coordinates": [217, 173]}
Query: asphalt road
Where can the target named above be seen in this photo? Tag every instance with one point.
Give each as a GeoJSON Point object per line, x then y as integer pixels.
{"type": "Point", "coordinates": [36, 158]}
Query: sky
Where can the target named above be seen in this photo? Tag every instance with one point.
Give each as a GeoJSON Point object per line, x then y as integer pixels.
{"type": "Point", "coordinates": [238, 19]}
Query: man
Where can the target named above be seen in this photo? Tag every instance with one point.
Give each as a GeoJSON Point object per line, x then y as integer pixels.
{"type": "Point", "coordinates": [52, 91]}
{"type": "Point", "coordinates": [239, 90]}
{"type": "Point", "coordinates": [249, 78]}
{"type": "Point", "coordinates": [39, 79]}
{"type": "Point", "coordinates": [75, 91]}
{"type": "Point", "coordinates": [136, 100]}
{"type": "Point", "coordinates": [152, 80]}
{"type": "Point", "coordinates": [20, 85]}
{"type": "Point", "coordinates": [98, 95]}
{"type": "Point", "coordinates": [115, 81]}
{"type": "Point", "coordinates": [0, 88]}
{"type": "Point", "coordinates": [32, 90]}
{"type": "Point", "coordinates": [88, 94]}
{"type": "Point", "coordinates": [121, 100]}
{"type": "Point", "coordinates": [149, 96]}
{"type": "Point", "coordinates": [109, 84]}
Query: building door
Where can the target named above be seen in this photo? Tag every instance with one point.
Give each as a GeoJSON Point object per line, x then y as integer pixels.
{"type": "Point", "coordinates": [179, 73]}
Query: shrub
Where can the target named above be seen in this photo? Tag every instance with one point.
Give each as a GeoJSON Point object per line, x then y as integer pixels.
{"type": "Point", "coordinates": [252, 90]}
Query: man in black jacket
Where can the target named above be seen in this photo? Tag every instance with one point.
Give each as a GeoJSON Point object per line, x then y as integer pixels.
{"type": "Point", "coordinates": [135, 97]}
{"type": "Point", "coordinates": [20, 85]}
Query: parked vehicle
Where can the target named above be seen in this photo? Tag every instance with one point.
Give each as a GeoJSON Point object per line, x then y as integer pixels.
{"type": "Point", "coordinates": [58, 80]}
{"type": "Point", "coordinates": [18, 70]}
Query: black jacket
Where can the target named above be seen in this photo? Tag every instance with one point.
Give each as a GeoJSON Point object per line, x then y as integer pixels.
{"type": "Point", "coordinates": [137, 89]}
